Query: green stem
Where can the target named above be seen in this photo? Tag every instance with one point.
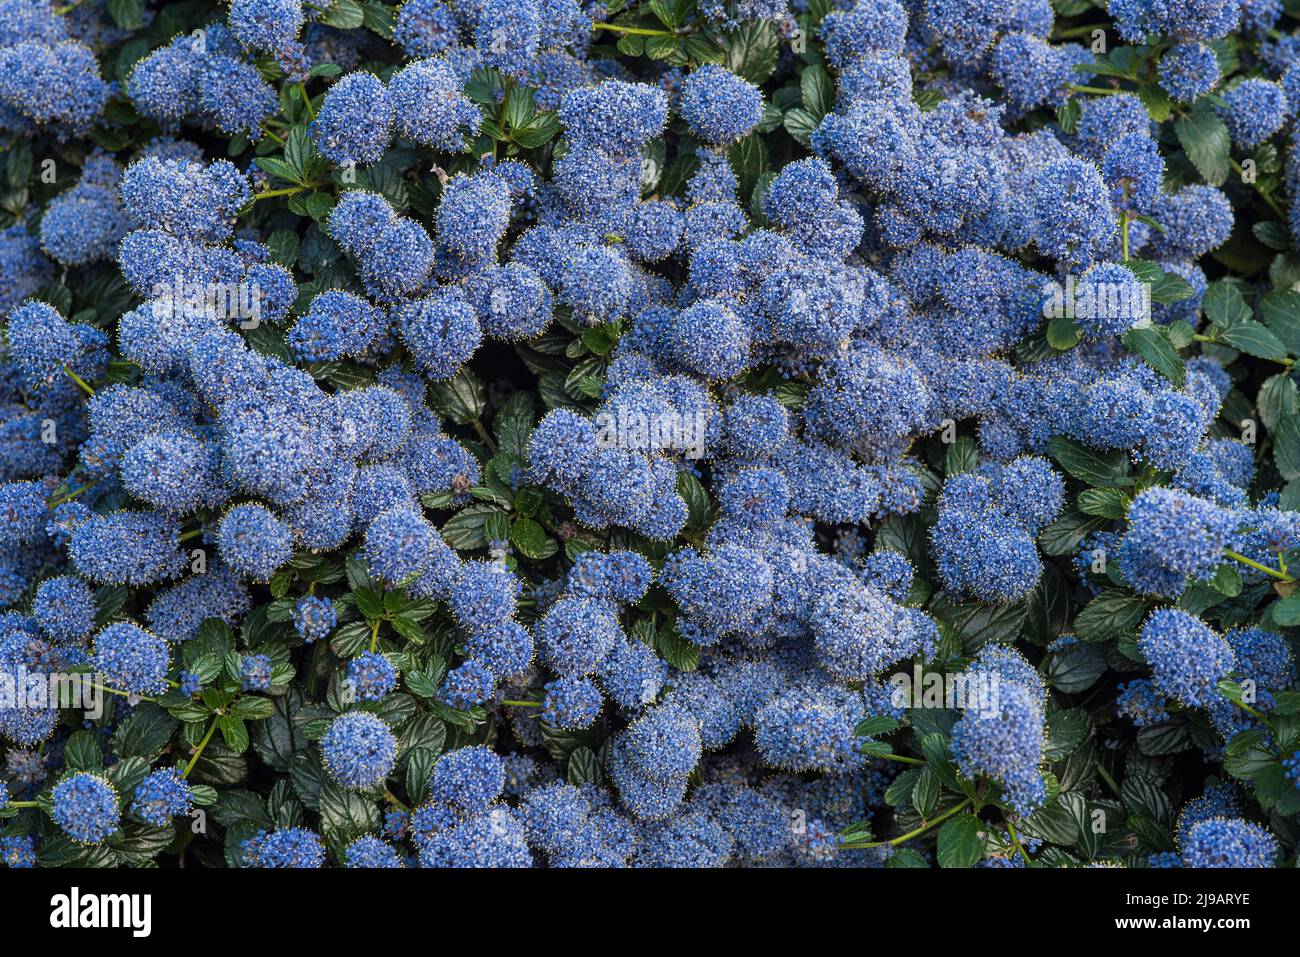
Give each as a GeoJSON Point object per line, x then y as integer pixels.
{"type": "Point", "coordinates": [1123, 228]}
{"type": "Point", "coordinates": [278, 139]}
{"type": "Point", "coordinates": [1080, 31]}
{"type": "Point", "coordinates": [124, 694]}
{"type": "Point", "coordinates": [19, 804]}
{"type": "Point", "coordinates": [483, 436]}
{"type": "Point", "coordinates": [1096, 90]}
{"type": "Point", "coordinates": [1236, 557]}
{"type": "Point", "coordinates": [1015, 841]}
{"type": "Point", "coordinates": [193, 533]}
{"type": "Point", "coordinates": [272, 193]}
{"type": "Point", "coordinates": [80, 381]}
{"type": "Point", "coordinates": [916, 832]}
{"type": "Point", "coordinates": [634, 31]}
{"type": "Point", "coordinates": [524, 704]}
{"type": "Point", "coordinates": [374, 635]}
{"type": "Point", "coordinates": [392, 799]}
{"type": "Point", "coordinates": [1110, 781]}
{"type": "Point", "coordinates": [71, 495]}
{"type": "Point", "coordinates": [901, 759]}
{"type": "Point", "coordinates": [212, 728]}
{"type": "Point", "coordinates": [311, 110]}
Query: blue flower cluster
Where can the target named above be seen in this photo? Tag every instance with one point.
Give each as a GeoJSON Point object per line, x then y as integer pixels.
{"type": "Point", "coordinates": [495, 433]}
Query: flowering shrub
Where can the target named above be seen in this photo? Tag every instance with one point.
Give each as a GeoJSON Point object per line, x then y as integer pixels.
{"type": "Point", "coordinates": [681, 433]}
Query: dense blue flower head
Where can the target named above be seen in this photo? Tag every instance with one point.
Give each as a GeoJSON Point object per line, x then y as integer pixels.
{"type": "Point", "coordinates": [576, 633]}
{"type": "Point", "coordinates": [484, 595]}
{"type": "Point", "coordinates": [1072, 205]}
{"type": "Point", "coordinates": [174, 471]}
{"type": "Point", "coordinates": [809, 729]}
{"type": "Point", "coordinates": [255, 673]}
{"type": "Point", "coordinates": [234, 94]}
{"type": "Point", "coordinates": [632, 674]}
{"type": "Point", "coordinates": [355, 122]}
{"type": "Point", "coordinates": [1106, 119]}
{"type": "Point", "coordinates": [473, 215]}
{"type": "Point", "coordinates": [429, 107]}
{"type": "Point", "coordinates": [1005, 743]}
{"type": "Point", "coordinates": [54, 86]}
{"type": "Point", "coordinates": [1255, 110]}
{"type": "Point", "coordinates": [754, 425]}
{"type": "Point", "coordinates": [84, 224]}
{"type": "Point", "coordinates": [85, 806]}
{"type": "Point", "coordinates": [468, 685]}
{"type": "Point", "coordinates": [1034, 72]}
{"type": "Point", "coordinates": [469, 778]}
{"type": "Point", "coordinates": [372, 676]}
{"type": "Point", "coordinates": [358, 221]}
{"type": "Point", "coordinates": [397, 544]}
{"type": "Point", "coordinates": [268, 26]}
{"type": "Point", "coordinates": [709, 339]}
{"type": "Point", "coordinates": [1110, 300]}
{"type": "Point", "coordinates": [253, 542]}
{"type": "Point", "coordinates": [178, 611]}
{"type": "Point", "coordinates": [508, 33]}
{"type": "Point", "coordinates": [719, 106]}
{"type": "Point", "coordinates": [372, 852]}
{"type": "Point", "coordinates": [18, 852]}
{"type": "Point", "coordinates": [725, 590]}
{"type": "Point", "coordinates": [1228, 842]}
{"type": "Point", "coordinates": [663, 745]}
{"type": "Point", "coordinates": [442, 331]}
{"type": "Point", "coordinates": [864, 28]}
{"type": "Point", "coordinates": [506, 651]}
{"type": "Point", "coordinates": [1133, 169]}
{"type": "Point", "coordinates": [64, 607]}
{"type": "Point", "coordinates": [620, 576]}
{"type": "Point", "coordinates": [1189, 71]}
{"type": "Point", "coordinates": [494, 838]}
{"type": "Point", "coordinates": [131, 659]}
{"type": "Point", "coordinates": [512, 301]}
{"type": "Point", "coordinates": [1178, 532]}
{"type": "Point", "coordinates": [980, 550]}
{"type": "Point", "coordinates": [186, 199]}
{"type": "Point", "coordinates": [890, 572]}
{"type": "Point", "coordinates": [1194, 19]}
{"type": "Point", "coordinates": [1187, 658]}
{"type": "Point", "coordinates": [161, 796]}
{"type": "Point", "coordinates": [615, 116]}
{"type": "Point", "coordinates": [571, 703]}
{"type": "Point", "coordinates": [1196, 220]}
{"type": "Point", "coordinates": [1030, 492]}
{"type": "Point", "coordinates": [314, 618]}
{"type": "Point", "coordinates": [287, 847]}
{"type": "Point", "coordinates": [359, 749]}
{"type": "Point", "coordinates": [22, 513]}
{"type": "Point", "coordinates": [425, 28]}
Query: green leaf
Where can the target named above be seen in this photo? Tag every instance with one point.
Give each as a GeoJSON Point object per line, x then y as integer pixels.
{"type": "Point", "coordinates": [1280, 311]}
{"type": "Point", "coordinates": [531, 540]}
{"type": "Point", "coordinates": [960, 844]}
{"type": "Point", "coordinates": [462, 398]}
{"type": "Point", "coordinates": [144, 734]}
{"type": "Point", "coordinates": [584, 767]}
{"type": "Point", "coordinates": [82, 753]}
{"type": "Point", "coordinates": [127, 14]}
{"type": "Point", "coordinates": [1106, 469]}
{"type": "Point", "coordinates": [1153, 345]}
{"type": "Point", "coordinates": [752, 50]}
{"type": "Point", "coordinates": [1286, 447]}
{"type": "Point", "coordinates": [1105, 502]}
{"type": "Point", "coordinates": [345, 15]}
{"type": "Point", "coordinates": [1278, 399]}
{"type": "Point", "coordinates": [1107, 615]}
{"type": "Point", "coordinates": [1205, 138]}
{"type": "Point", "coordinates": [962, 455]}
{"type": "Point", "coordinates": [345, 814]}
{"type": "Point", "coordinates": [234, 732]}
{"type": "Point", "coordinates": [1254, 338]}
{"type": "Point", "coordinates": [1063, 333]}
{"type": "Point", "coordinates": [800, 124]}
{"type": "Point", "coordinates": [1223, 304]}
{"type": "Point", "coordinates": [699, 508]}
{"type": "Point", "coordinates": [817, 90]}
